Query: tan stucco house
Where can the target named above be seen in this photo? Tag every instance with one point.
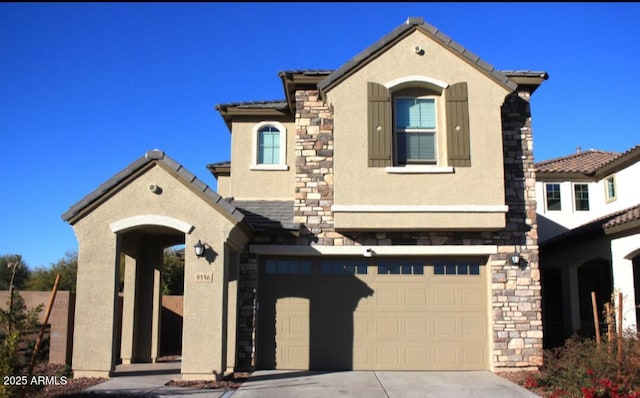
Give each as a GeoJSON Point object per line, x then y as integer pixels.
{"type": "Point", "coordinates": [366, 221]}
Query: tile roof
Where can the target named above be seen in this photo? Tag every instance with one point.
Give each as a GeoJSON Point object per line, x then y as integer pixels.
{"type": "Point", "coordinates": [583, 162]}
{"type": "Point", "coordinates": [267, 214]}
{"type": "Point", "coordinates": [412, 24]}
{"type": "Point", "coordinates": [269, 104]}
{"type": "Point", "coordinates": [226, 163]}
{"type": "Point", "coordinates": [306, 72]}
{"type": "Point", "coordinates": [523, 72]}
{"type": "Point", "coordinates": [182, 174]}
{"type": "Point", "coordinates": [602, 224]}
{"type": "Point", "coordinates": [626, 216]}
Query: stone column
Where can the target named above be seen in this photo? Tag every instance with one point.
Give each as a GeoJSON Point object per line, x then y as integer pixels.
{"type": "Point", "coordinates": [516, 289]}
{"type": "Point", "coordinates": [314, 168]}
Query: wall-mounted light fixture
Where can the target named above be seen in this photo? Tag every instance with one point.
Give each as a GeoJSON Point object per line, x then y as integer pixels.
{"type": "Point", "coordinates": [200, 248]}
{"type": "Point", "coordinates": [368, 252]}
{"type": "Point", "coordinates": [514, 259]}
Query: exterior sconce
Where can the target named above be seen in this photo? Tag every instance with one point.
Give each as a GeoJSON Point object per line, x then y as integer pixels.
{"type": "Point", "coordinates": [514, 259]}
{"type": "Point", "coordinates": [200, 248]}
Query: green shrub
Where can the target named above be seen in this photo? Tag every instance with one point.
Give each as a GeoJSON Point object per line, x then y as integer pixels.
{"type": "Point", "coordinates": [17, 325]}
{"type": "Point", "coordinates": [582, 369]}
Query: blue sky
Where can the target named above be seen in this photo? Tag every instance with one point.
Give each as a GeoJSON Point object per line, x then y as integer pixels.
{"type": "Point", "coordinates": [87, 88]}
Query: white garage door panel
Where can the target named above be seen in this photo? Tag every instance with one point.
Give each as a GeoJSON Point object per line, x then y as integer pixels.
{"type": "Point", "coordinates": [407, 322]}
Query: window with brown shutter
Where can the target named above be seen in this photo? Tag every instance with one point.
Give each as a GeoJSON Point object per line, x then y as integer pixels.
{"type": "Point", "coordinates": [380, 130]}
{"type": "Point", "coordinates": [458, 139]}
{"type": "Point", "coordinates": [403, 125]}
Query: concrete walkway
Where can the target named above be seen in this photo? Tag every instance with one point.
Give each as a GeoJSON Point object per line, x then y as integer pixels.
{"type": "Point", "coordinates": [149, 381]}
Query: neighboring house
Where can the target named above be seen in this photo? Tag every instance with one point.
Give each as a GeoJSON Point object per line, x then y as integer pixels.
{"type": "Point", "coordinates": [367, 221]}
{"type": "Point", "coordinates": [589, 227]}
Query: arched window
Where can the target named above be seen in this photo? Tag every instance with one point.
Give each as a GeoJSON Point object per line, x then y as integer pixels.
{"type": "Point", "coordinates": [415, 126]}
{"type": "Point", "coordinates": [417, 122]}
{"type": "Point", "coordinates": [269, 146]}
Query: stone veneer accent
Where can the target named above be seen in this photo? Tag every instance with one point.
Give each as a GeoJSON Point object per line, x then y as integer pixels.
{"type": "Point", "coordinates": [516, 293]}
{"type": "Point", "coordinates": [314, 169]}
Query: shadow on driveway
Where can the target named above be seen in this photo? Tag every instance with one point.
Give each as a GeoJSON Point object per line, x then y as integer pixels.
{"type": "Point", "coordinates": [379, 384]}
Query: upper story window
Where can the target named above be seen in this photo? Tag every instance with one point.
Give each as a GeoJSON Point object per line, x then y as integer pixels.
{"type": "Point", "coordinates": [415, 123]}
{"type": "Point", "coordinates": [553, 196]}
{"type": "Point", "coordinates": [418, 124]}
{"type": "Point", "coordinates": [610, 188]}
{"type": "Point", "coordinates": [269, 146]}
{"type": "Point", "coordinates": [581, 196]}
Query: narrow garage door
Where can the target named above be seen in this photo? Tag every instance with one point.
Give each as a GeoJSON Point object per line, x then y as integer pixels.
{"type": "Point", "coordinates": [396, 314]}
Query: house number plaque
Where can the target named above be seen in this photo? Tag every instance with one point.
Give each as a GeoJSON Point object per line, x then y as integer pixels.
{"type": "Point", "coordinates": [204, 277]}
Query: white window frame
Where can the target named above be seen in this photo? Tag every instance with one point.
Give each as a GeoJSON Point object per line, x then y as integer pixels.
{"type": "Point", "coordinates": [433, 131]}
{"type": "Point", "coordinates": [546, 200]}
{"type": "Point", "coordinates": [575, 198]}
{"type": "Point", "coordinates": [608, 198]}
{"type": "Point", "coordinates": [282, 152]}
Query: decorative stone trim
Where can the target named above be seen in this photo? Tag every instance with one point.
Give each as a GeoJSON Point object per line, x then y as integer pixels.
{"type": "Point", "coordinates": [150, 219]}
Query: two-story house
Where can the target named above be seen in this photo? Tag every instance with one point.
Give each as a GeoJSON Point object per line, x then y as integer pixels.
{"type": "Point", "coordinates": [588, 222]}
{"type": "Point", "coordinates": [380, 216]}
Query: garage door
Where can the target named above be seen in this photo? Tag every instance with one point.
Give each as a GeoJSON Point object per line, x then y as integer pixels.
{"type": "Point", "coordinates": [396, 314]}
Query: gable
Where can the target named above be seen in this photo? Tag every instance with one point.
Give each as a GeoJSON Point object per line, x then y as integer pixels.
{"type": "Point", "coordinates": [138, 180]}
{"type": "Point", "coordinates": [436, 36]}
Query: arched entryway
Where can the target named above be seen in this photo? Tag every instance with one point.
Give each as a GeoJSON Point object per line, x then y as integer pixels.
{"type": "Point", "coordinates": [636, 284]}
{"type": "Point", "coordinates": [122, 229]}
{"type": "Point", "coordinates": [593, 276]}
{"type": "Point", "coordinates": [142, 249]}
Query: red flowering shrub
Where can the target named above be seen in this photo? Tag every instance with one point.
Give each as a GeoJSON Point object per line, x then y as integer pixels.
{"type": "Point", "coordinates": [582, 369]}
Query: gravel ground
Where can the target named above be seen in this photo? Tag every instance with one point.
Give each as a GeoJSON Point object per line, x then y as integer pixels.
{"type": "Point", "coordinates": [73, 387]}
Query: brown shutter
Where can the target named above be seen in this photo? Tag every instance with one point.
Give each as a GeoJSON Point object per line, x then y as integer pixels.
{"type": "Point", "coordinates": [458, 140]}
{"type": "Point", "coordinates": [379, 125]}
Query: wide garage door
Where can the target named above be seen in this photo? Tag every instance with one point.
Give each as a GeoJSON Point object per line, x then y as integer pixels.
{"type": "Point", "coordinates": [372, 314]}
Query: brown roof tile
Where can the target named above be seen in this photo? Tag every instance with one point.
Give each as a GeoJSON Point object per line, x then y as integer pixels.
{"type": "Point", "coordinates": [582, 162]}
{"type": "Point", "coordinates": [627, 216]}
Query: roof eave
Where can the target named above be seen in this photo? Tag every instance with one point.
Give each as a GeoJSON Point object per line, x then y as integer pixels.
{"type": "Point", "coordinates": [554, 176]}
{"type": "Point", "coordinates": [231, 112]}
{"type": "Point", "coordinates": [622, 228]}
{"type": "Point", "coordinates": [621, 162]}
{"type": "Point", "coordinates": [402, 31]}
{"type": "Point", "coordinates": [217, 171]}
{"type": "Point", "coordinates": [530, 82]}
{"type": "Point", "coordinates": [297, 80]}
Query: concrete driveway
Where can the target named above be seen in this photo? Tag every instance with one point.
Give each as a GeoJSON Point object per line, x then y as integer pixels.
{"type": "Point", "coordinates": [378, 384]}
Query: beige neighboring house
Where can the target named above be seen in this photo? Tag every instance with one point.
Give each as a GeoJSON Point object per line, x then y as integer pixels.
{"type": "Point", "coordinates": [367, 221]}
{"type": "Point", "coordinates": [589, 227]}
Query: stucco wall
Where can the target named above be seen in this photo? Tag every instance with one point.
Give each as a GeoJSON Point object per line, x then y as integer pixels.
{"type": "Point", "coordinates": [97, 273]}
{"type": "Point", "coordinates": [627, 195]}
{"type": "Point", "coordinates": [246, 183]}
{"type": "Point", "coordinates": [355, 183]}
{"type": "Point", "coordinates": [623, 250]}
